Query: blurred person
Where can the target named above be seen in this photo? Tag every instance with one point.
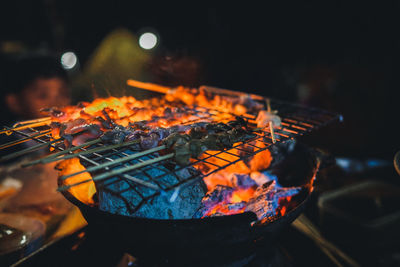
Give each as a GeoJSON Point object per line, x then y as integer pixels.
{"type": "Point", "coordinates": [34, 83]}
{"type": "Point", "coordinates": [31, 84]}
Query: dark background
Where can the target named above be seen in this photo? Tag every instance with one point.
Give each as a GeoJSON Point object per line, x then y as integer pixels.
{"type": "Point", "coordinates": [338, 56]}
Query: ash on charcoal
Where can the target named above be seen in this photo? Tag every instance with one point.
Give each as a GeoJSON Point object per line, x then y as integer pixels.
{"type": "Point", "coordinates": [230, 209]}
{"type": "Point", "coordinates": [117, 196]}
{"type": "Point", "coordinates": [219, 196]}
{"type": "Point", "coordinates": [266, 199]}
{"type": "Point", "coordinates": [264, 203]}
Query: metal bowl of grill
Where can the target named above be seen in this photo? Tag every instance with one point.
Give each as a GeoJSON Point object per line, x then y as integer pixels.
{"type": "Point", "coordinates": [217, 236]}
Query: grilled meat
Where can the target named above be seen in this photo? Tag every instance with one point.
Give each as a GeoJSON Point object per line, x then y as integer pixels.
{"type": "Point", "coordinates": [116, 135]}
{"type": "Point", "coordinates": [214, 136]}
{"type": "Point", "coordinates": [264, 117]}
{"type": "Point", "coordinates": [186, 141]}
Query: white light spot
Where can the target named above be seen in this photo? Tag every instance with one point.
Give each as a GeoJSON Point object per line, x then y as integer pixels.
{"type": "Point", "coordinates": [69, 60]}
{"type": "Point", "coordinates": [23, 240]}
{"type": "Point", "coordinates": [148, 40]}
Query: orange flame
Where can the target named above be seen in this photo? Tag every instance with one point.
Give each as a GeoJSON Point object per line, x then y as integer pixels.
{"type": "Point", "coordinates": [83, 192]}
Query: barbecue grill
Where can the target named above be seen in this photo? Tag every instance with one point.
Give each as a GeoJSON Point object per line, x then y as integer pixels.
{"type": "Point", "coordinates": [126, 164]}
{"type": "Point", "coordinates": [296, 121]}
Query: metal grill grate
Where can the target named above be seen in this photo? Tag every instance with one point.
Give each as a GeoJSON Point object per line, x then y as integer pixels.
{"type": "Point", "coordinates": [296, 120]}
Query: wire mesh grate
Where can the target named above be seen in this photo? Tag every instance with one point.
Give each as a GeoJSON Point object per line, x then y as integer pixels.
{"type": "Point", "coordinates": [296, 120]}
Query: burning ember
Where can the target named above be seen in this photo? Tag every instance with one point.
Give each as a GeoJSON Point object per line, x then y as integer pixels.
{"type": "Point", "coordinates": [246, 187]}
{"type": "Point", "coordinates": [196, 129]}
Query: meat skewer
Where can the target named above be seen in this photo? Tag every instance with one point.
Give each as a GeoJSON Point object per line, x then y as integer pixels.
{"type": "Point", "coordinates": [215, 136]}
{"type": "Point", "coordinates": [117, 161]}
{"type": "Point", "coordinates": [268, 118]}
{"type": "Point", "coordinates": [29, 150]}
{"type": "Point", "coordinates": [31, 121]}
{"type": "Point", "coordinates": [148, 86]}
{"type": "Point", "coordinates": [26, 124]}
{"type": "Point", "coordinates": [60, 153]}
{"type": "Point", "coordinates": [240, 103]}
{"type": "Point", "coordinates": [271, 125]}
{"type": "Point", "coordinates": [113, 137]}
{"type": "Point", "coordinates": [118, 172]}
{"type": "Point", "coordinates": [91, 151]}
{"type": "Point", "coordinates": [65, 138]}
{"type": "Point", "coordinates": [164, 90]}
{"type": "Point", "coordinates": [25, 139]}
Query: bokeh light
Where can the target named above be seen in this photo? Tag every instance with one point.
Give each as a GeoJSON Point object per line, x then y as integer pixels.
{"type": "Point", "coordinates": [148, 40]}
{"type": "Point", "coordinates": [69, 60]}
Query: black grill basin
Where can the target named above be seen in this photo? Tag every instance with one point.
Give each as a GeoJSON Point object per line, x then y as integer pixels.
{"type": "Point", "coordinates": [216, 237]}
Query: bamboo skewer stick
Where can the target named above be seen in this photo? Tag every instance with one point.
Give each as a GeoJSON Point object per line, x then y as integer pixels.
{"type": "Point", "coordinates": [25, 139]}
{"type": "Point", "coordinates": [271, 128]}
{"type": "Point", "coordinates": [9, 131]}
{"type": "Point", "coordinates": [141, 182]}
{"type": "Point", "coordinates": [164, 89]}
{"type": "Point", "coordinates": [86, 152]}
{"type": "Point", "coordinates": [271, 125]}
{"type": "Point", "coordinates": [149, 86]}
{"type": "Point", "coordinates": [28, 150]}
{"type": "Point", "coordinates": [117, 161]}
{"type": "Point", "coordinates": [60, 153]}
{"type": "Point", "coordinates": [119, 171]}
{"type": "Point", "coordinates": [31, 121]}
{"type": "Point", "coordinates": [304, 225]}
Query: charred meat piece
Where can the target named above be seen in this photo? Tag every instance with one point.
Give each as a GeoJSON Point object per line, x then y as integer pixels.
{"type": "Point", "coordinates": [134, 134]}
{"type": "Point", "coordinates": [179, 128]}
{"type": "Point", "coordinates": [117, 135]}
{"type": "Point", "coordinates": [139, 125]}
{"type": "Point", "coordinates": [197, 147]}
{"type": "Point", "coordinates": [113, 137]}
{"type": "Point", "coordinates": [217, 127]}
{"type": "Point", "coordinates": [216, 141]}
{"type": "Point", "coordinates": [89, 132]}
{"type": "Point", "coordinates": [182, 154]}
{"type": "Point", "coordinates": [238, 122]}
{"type": "Point", "coordinates": [240, 135]}
{"type": "Point", "coordinates": [161, 132]}
{"type": "Point", "coordinates": [176, 138]}
{"type": "Point", "coordinates": [75, 126]}
{"type": "Point", "coordinates": [150, 141]}
{"type": "Point", "coordinates": [53, 112]}
{"type": "Point", "coordinates": [107, 117]}
{"type": "Point", "coordinates": [197, 132]}
{"type": "Point", "coordinates": [105, 124]}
